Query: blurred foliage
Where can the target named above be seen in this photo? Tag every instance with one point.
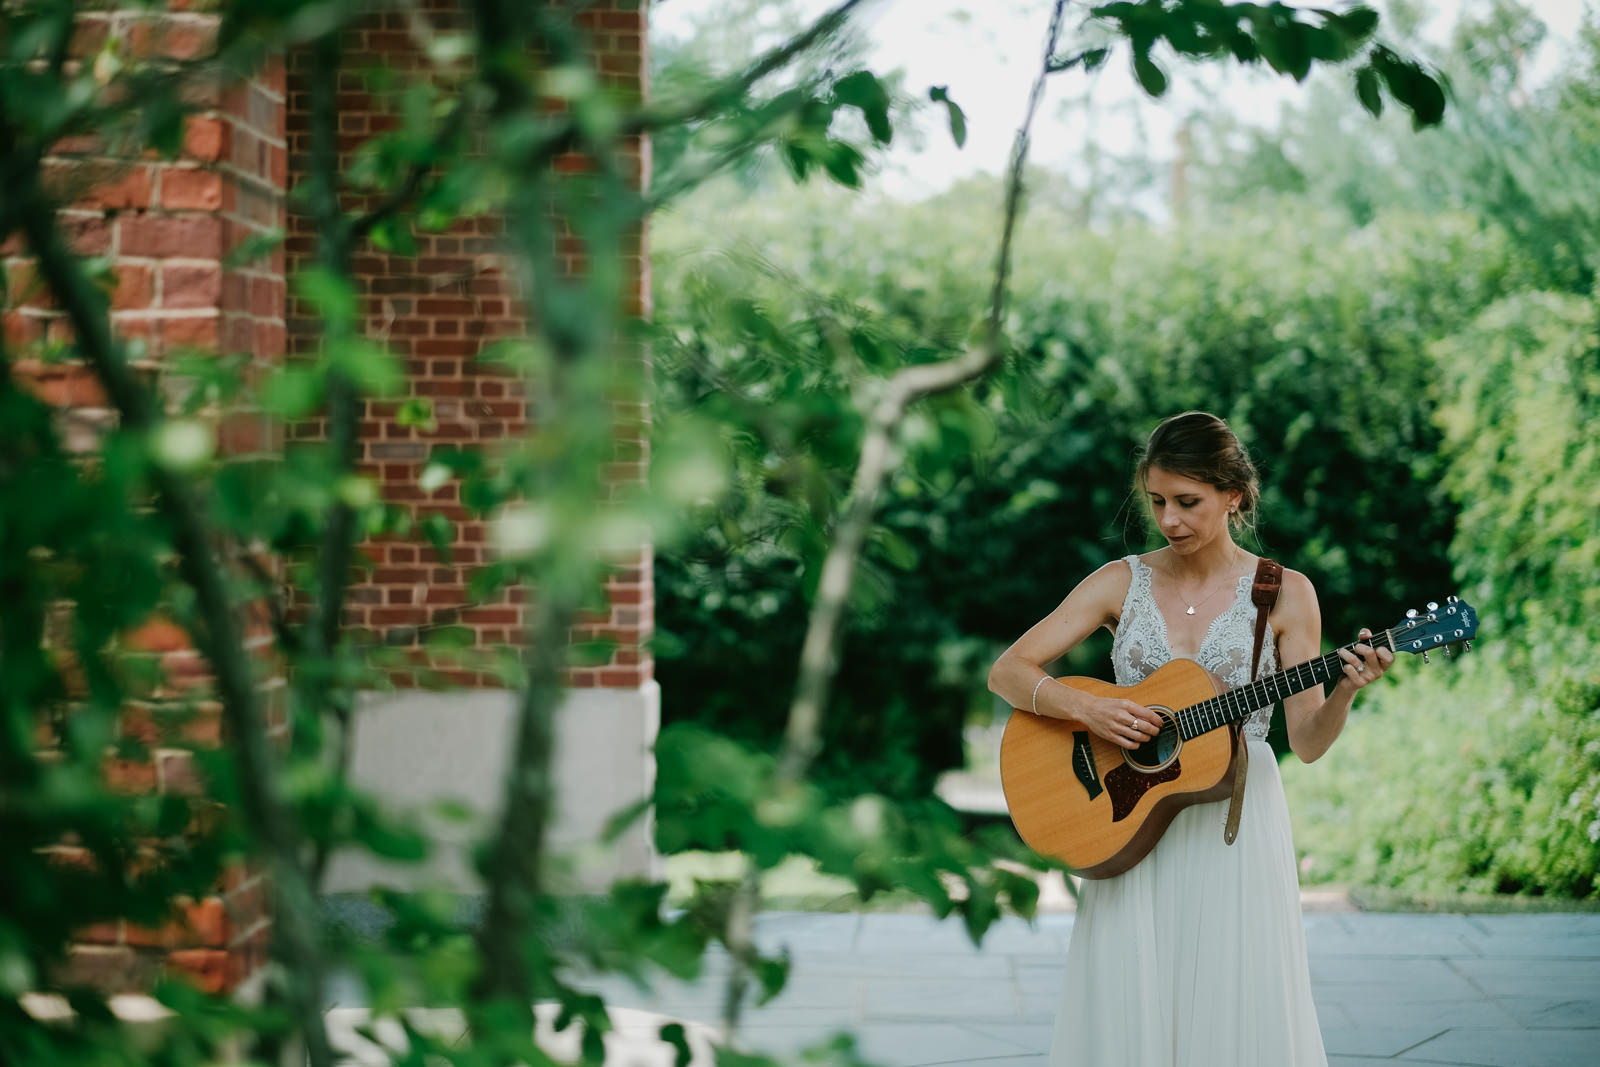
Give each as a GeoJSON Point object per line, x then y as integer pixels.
{"type": "Point", "coordinates": [1400, 325]}
{"type": "Point", "coordinates": [1309, 336]}
{"type": "Point", "coordinates": [1487, 778]}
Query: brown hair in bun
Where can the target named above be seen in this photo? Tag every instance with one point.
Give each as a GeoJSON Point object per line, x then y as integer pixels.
{"type": "Point", "coordinates": [1199, 445]}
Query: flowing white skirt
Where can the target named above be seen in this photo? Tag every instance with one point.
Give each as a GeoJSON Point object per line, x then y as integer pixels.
{"type": "Point", "coordinates": [1196, 956]}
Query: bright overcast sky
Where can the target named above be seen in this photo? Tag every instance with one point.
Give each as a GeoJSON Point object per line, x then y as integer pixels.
{"type": "Point", "coordinates": [989, 62]}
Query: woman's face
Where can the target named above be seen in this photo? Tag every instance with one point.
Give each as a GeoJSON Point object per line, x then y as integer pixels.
{"type": "Point", "coordinates": [1189, 514]}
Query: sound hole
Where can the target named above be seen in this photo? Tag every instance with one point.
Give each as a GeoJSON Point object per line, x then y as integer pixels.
{"type": "Point", "coordinates": [1160, 750]}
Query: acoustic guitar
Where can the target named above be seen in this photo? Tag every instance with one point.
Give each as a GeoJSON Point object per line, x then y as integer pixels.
{"type": "Point", "coordinates": [1099, 807]}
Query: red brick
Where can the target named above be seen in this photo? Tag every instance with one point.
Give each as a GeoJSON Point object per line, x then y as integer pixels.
{"type": "Point", "coordinates": [207, 923]}
{"type": "Point", "coordinates": [207, 139]}
{"type": "Point", "coordinates": [87, 235]}
{"type": "Point", "coordinates": [191, 285]}
{"type": "Point", "coordinates": [191, 189]}
{"type": "Point", "coordinates": [190, 236]}
{"type": "Point", "coordinates": [205, 968]}
{"type": "Point", "coordinates": [156, 634]}
{"type": "Point", "coordinates": [115, 191]}
{"type": "Point", "coordinates": [135, 287]}
{"type": "Point", "coordinates": [196, 331]}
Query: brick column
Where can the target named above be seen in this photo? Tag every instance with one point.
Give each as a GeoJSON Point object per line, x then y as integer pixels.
{"type": "Point", "coordinates": [439, 310]}
{"type": "Point", "coordinates": [167, 228]}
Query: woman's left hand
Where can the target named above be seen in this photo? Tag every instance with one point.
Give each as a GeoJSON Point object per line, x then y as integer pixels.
{"type": "Point", "coordinates": [1366, 664]}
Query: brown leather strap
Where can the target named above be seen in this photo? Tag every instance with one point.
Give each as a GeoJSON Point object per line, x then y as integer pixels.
{"type": "Point", "coordinates": [1263, 594]}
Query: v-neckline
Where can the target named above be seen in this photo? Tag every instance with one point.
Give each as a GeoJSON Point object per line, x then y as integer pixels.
{"type": "Point", "coordinates": [1166, 631]}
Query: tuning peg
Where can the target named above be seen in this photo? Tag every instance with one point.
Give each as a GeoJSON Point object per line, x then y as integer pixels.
{"type": "Point", "coordinates": [1411, 613]}
{"type": "Point", "coordinates": [1425, 657]}
{"type": "Point", "coordinates": [1466, 646]}
{"type": "Point", "coordinates": [1446, 651]}
{"type": "Point", "coordinates": [1451, 599]}
{"type": "Point", "coordinates": [1433, 605]}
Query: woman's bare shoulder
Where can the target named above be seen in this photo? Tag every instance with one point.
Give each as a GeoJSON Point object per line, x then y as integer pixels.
{"type": "Point", "coordinates": [1106, 588]}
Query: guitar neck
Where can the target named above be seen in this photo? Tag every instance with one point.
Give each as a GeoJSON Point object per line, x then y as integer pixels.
{"type": "Point", "coordinates": [1238, 704]}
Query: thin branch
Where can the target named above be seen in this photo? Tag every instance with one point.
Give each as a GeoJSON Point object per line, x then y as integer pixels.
{"type": "Point", "coordinates": [819, 653]}
{"type": "Point", "coordinates": [407, 191]}
{"type": "Point", "coordinates": [219, 637]}
{"type": "Point", "coordinates": [733, 88]}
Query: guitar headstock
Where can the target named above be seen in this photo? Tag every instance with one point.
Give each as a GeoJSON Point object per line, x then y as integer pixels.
{"type": "Point", "coordinates": [1440, 627]}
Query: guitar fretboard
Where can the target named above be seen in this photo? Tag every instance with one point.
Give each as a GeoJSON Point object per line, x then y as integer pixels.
{"type": "Point", "coordinates": [1238, 704]}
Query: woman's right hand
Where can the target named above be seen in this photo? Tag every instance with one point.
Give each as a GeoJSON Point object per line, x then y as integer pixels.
{"type": "Point", "coordinates": [1122, 722]}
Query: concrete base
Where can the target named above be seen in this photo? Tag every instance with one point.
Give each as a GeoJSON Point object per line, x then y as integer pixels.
{"type": "Point", "coordinates": [414, 749]}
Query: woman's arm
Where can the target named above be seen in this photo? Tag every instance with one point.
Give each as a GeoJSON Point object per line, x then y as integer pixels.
{"type": "Point", "coordinates": [1015, 676]}
{"type": "Point", "coordinates": [1315, 719]}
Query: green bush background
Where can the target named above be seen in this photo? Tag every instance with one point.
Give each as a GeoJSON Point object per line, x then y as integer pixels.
{"type": "Point", "coordinates": [1400, 325]}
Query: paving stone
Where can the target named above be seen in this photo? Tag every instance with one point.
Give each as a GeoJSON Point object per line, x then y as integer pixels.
{"type": "Point", "coordinates": [1414, 940]}
{"type": "Point", "coordinates": [1030, 1037]}
{"type": "Point", "coordinates": [1509, 1048]}
{"type": "Point", "coordinates": [806, 931]}
{"type": "Point", "coordinates": [1380, 1041]}
{"type": "Point", "coordinates": [1434, 1015]}
{"type": "Point", "coordinates": [891, 965]}
{"type": "Point", "coordinates": [912, 1044]}
{"type": "Point", "coordinates": [1543, 1013]}
{"type": "Point", "coordinates": [943, 998]}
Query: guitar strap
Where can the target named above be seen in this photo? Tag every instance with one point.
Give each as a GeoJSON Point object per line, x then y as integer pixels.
{"type": "Point", "coordinates": [1263, 594]}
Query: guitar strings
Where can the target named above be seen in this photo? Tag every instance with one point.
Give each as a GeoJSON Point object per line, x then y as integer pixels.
{"type": "Point", "coordinates": [1238, 703]}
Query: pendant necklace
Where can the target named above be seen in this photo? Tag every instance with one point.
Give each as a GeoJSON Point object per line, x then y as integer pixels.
{"type": "Point", "coordinates": [1203, 599]}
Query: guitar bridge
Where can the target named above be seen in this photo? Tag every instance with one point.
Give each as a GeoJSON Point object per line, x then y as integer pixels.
{"type": "Point", "coordinates": [1083, 763]}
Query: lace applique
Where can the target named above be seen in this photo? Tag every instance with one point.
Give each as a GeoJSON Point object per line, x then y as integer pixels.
{"type": "Point", "coordinates": [1142, 644]}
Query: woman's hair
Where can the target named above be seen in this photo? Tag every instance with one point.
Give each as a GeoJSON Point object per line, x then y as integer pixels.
{"type": "Point", "coordinates": [1200, 446]}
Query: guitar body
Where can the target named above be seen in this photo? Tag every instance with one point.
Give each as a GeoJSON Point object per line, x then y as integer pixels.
{"type": "Point", "coordinates": [1097, 806]}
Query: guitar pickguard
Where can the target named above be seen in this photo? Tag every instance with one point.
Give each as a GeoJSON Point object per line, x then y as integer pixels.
{"type": "Point", "coordinates": [1083, 763]}
{"type": "Point", "coordinates": [1128, 785]}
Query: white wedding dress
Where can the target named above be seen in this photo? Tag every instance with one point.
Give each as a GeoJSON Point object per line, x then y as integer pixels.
{"type": "Point", "coordinates": [1195, 956]}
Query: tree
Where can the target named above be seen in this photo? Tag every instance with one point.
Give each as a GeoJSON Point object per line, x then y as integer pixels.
{"type": "Point", "coordinates": [154, 522]}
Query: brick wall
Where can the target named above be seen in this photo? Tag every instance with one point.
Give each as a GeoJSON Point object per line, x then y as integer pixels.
{"type": "Point", "coordinates": [167, 228]}
{"type": "Point", "coordinates": [438, 311]}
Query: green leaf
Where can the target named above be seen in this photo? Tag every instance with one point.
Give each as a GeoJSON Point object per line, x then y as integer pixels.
{"type": "Point", "coordinates": [673, 1034]}
{"type": "Point", "coordinates": [417, 411]}
{"type": "Point", "coordinates": [1368, 92]}
{"type": "Point", "coordinates": [958, 118]}
{"type": "Point", "coordinates": [373, 369]}
{"type": "Point", "coordinates": [253, 248]}
{"type": "Point", "coordinates": [451, 638]}
{"type": "Point", "coordinates": [329, 293]}
{"type": "Point", "coordinates": [864, 91]}
{"type": "Point", "coordinates": [394, 235]}
{"type": "Point", "coordinates": [1150, 77]}
{"type": "Point", "coordinates": [1358, 23]}
{"type": "Point", "coordinates": [843, 163]}
{"type": "Point", "coordinates": [441, 534]}
{"type": "Point", "coordinates": [293, 392]}
{"type": "Point", "coordinates": [772, 972]}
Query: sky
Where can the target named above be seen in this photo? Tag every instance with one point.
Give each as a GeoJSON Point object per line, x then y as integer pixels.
{"type": "Point", "coordinates": [989, 64]}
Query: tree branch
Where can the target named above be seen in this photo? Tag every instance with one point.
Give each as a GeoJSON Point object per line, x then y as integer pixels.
{"type": "Point", "coordinates": [407, 191]}
{"type": "Point", "coordinates": [819, 653]}
{"type": "Point", "coordinates": [651, 119]}
{"type": "Point", "coordinates": [219, 637]}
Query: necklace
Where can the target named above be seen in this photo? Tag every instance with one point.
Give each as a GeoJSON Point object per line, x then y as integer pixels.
{"type": "Point", "coordinates": [1202, 600]}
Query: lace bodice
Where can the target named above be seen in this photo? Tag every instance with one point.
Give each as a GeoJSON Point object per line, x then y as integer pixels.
{"type": "Point", "coordinates": [1141, 643]}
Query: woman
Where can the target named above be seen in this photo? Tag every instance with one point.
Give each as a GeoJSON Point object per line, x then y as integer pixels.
{"type": "Point", "coordinates": [1195, 956]}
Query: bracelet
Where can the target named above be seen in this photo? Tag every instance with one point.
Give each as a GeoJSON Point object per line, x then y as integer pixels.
{"type": "Point", "coordinates": [1036, 686]}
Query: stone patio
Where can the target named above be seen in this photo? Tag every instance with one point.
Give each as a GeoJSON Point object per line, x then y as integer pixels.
{"type": "Point", "coordinates": [1462, 990]}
